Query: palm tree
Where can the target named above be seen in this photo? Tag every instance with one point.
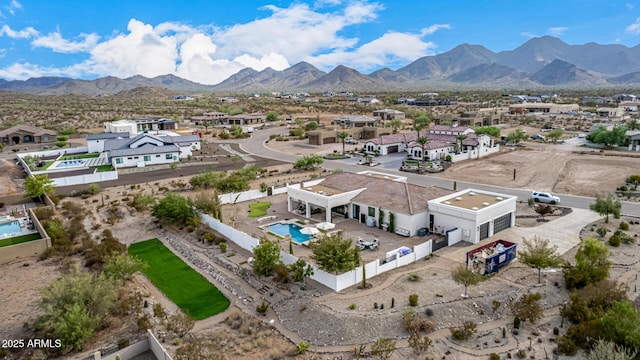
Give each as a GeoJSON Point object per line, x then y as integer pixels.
{"type": "Point", "coordinates": [343, 136]}
{"type": "Point", "coordinates": [460, 138]}
{"type": "Point", "coordinates": [422, 141]}
{"type": "Point", "coordinates": [633, 124]}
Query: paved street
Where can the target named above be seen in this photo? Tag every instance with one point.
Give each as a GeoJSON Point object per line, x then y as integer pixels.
{"type": "Point", "coordinates": [255, 145]}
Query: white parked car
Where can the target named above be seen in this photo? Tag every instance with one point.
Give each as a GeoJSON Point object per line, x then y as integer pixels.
{"type": "Point", "coordinates": [545, 197]}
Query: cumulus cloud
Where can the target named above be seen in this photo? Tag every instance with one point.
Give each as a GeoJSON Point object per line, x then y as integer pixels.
{"type": "Point", "coordinates": [55, 42]}
{"type": "Point", "coordinates": [209, 54]}
{"type": "Point", "coordinates": [634, 28]}
{"type": "Point", "coordinates": [25, 33]}
{"type": "Point", "coordinates": [557, 31]}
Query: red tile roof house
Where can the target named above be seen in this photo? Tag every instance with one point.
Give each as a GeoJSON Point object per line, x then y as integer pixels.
{"type": "Point", "coordinates": [442, 142]}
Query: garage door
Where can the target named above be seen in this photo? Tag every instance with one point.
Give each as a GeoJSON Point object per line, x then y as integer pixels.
{"type": "Point", "coordinates": [501, 223]}
{"type": "Point", "coordinates": [392, 149]}
{"type": "Point", "coordinates": [484, 231]}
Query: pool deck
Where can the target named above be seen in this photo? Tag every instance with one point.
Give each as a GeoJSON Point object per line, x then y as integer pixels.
{"type": "Point", "coordinates": [351, 228]}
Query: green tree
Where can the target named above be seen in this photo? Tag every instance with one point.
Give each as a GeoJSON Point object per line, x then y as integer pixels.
{"type": "Point", "coordinates": [39, 185]}
{"type": "Point", "coordinates": [422, 141]}
{"type": "Point", "coordinates": [209, 203]}
{"type": "Point", "coordinates": [395, 125]}
{"type": "Point", "coordinates": [488, 130]}
{"type": "Point", "coordinates": [236, 131]}
{"type": "Point", "coordinates": [311, 125]}
{"type": "Point", "coordinates": [300, 270]}
{"type": "Point", "coordinates": [554, 135]}
{"type": "Point", "coordinates": [459, 139]}
{"type": "Point", "coordinates": [516, 136]}
{"type": "Point", "coordinates": [174, 208]}
{"type": "Point", "coordinates": [75, 306]}
{"type": "Point", "coordinates": [265, 257]}
{"type": "Point", "coordinates": [594, 300]}
{"type": "Point", "coordinates": [621, 324]}
{"type": "Point", "coordinates": [421, 122]}
{"type": "Point", "coordinates": [93, 189]}
{"type": "Point", "coordinates": [272, 116]}
{"type": "Point", "coordinates": [122, 267]}
{"type": "Point", "coordinates": [383, 348]}
{"type": "Point", "coordinates": [343, 135]}
{"type": "Point", "coordinates": [527, 308]}
{"type": "Point", "coordinates": [606, 205]}
{"type": "Point", "coordinates": [335, 254]}
{"type": "Point", "coordinates": [308, 162]}
{"type": "Point", "coordinates": [465, 276]}
{"type": "Point", "coordinates": [608, 137]}
{"type": "Point", "coordinates": [633, 124]}
{"type": "Point", "coordinates": [609, 350]}
{"type": "Point", "coordinates": [538, 254]}
{"type": "Point", "coordinates": [592, 264]}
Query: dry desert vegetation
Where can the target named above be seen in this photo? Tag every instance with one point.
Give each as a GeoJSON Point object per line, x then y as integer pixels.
{"type": "Point", "coordinates": [340, 325]}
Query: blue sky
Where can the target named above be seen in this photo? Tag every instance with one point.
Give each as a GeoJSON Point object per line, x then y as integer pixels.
{"type": "Point", "coordinates": [207, 41]}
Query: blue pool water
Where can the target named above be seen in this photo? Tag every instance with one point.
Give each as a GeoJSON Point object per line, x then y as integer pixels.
{"type": "Point", "coordinates": [70, 163]}
{"type": "Point", "coordinates": [291, 229]}
{"type": "Point", "coordinates": [10, 228]}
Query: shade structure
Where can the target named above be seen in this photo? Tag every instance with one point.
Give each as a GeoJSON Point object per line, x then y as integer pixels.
{"type": "Point", "coordinates": [325, 225]}
{"type": "Point", "coordinates": [309, 231]}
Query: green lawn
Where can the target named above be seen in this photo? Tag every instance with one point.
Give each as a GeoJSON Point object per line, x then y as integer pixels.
{"type": "Point", "coordinates": [259, 209]}
{"type": "Point", "coordinates": [19, 239]}
{"type": "Point", "coordinates": [192, 292]}
{"type": "Point", "coordinates": [80, 156]}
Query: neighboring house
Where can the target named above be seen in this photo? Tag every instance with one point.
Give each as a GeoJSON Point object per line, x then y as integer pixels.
{"type": "Point", "coordinates": [364, 100]}
{"type": "Point", "coordinates": [95, 142]}
{"type": "Point", "coordinates": [633, 139]}
{"type": "Point", "coordinates": [25, 134]}
{"type": "Point", "coordinates": [363, 196]}
{"type": "Point", "coordinates": [330, 135]}
{"type": "Point", "coordinates": [139, 125]}
{"type": "Point", "coordinates": [389, 114]}
{"type": "Point", "coordinates": [246, 119]}
{"type": "Point", "coordinates": [210, 118]}
{"type": "Point", "coordinates": [544, 108]}
{"type": "Point", "coordinates": [630, 106]}
{"type": "Point", "coordinates": [144, 149]}
{"type": "Point", "coordinates": [610, 112]}
{"type": "Point", "coordinates": [350, 121]}
{"type": "Point", "coordinates": [442, 142]}
{"type": "Point", "coordinates": [525, 99]}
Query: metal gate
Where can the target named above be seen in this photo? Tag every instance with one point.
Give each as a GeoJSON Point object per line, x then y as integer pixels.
{"type": "Point", "coordinates": [501, 223]}
{"type": "Point", "coordinates": [484, 231]}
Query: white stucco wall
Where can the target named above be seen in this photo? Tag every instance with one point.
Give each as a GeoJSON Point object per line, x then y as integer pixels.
{"type": "Point", "coordinates": [132, 161]}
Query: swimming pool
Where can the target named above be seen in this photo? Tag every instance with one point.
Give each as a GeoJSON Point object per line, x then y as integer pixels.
{"type": "Point", "coordinates": [10, 228]}
{"type": "Point", "coordinates": [71, 163]}
{"type": "Point", "coordinates": [291, 229]}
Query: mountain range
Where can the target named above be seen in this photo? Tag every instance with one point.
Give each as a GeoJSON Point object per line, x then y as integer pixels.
{"type": "Point", "coordinates": [542, 62]}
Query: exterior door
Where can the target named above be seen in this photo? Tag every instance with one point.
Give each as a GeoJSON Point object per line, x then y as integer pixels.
{"type": "Point", "coordinates": [356, 211]}
{"type": "Point", "coordinates": [484, 231]}
{"type": "Point", "coordinates": [501, 223]}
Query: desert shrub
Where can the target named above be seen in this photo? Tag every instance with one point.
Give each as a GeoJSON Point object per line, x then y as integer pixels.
{"type": "Point", "coordinates": [262, 308]}
{"type": "Point", "coordinates": [566, 346]}
{"type": "Point", "coordinates": [123, 343]}
{"type": "Point", "coordinates": [463, 332]}
{"type": "Point", "coordinates": [614, 240]}
{"type": "Point", "coordinates": [180, 323]}
{"type": "Point", "coordinates": [623, 226]}
{"type": "Point", "coordinates": [419, 344]}
{"type": "Point", "coordinates": [144, 322]}
{"type": "Point", "coordinates": [415, 325]}
{"type": "Point", "coordinates": [158, 311]}
{"type": "Point", "coordinates": [601, 231]}
{"type": "Point", "coordinates": [494, 356]}
{"type": "Point", "coordinates": [414, 277]}
{"type": "Point", "coordinates": [428, 312]}
{"type": "Point", "coordinates": [413, 299]}
{"type": "Point", "coordinates": [302, 347]}
{"type": "Point", "coordinates": [352, 306]}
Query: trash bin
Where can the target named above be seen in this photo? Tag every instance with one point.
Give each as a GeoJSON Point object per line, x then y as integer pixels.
{"type": "Point", "coordinates": [422, 232]}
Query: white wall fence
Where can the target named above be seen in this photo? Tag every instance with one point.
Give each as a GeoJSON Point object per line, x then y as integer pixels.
{"type": "Point", "coordinates": [334, 282]}
{"type": "Point", "coordinates": [131, 351]}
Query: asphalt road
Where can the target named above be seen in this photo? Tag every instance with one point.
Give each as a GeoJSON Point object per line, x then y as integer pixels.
{"type": "Point", "coordinates": [255, 145]}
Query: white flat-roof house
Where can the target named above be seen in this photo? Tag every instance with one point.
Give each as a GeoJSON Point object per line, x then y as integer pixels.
{"type": "Point", "coordinates": [363, 196]}
{"type": "Point", "coordinates": [472, 215]}
{"type": "Point", "coordinates": [138, 125]}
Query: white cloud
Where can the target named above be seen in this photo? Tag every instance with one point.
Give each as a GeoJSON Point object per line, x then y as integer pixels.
{"type": "Point", "coordinates": [209, 54]}
{"type": "Point", "coordinates": [25, 33]}
{"type": "Point", "coordinates": [634, 28]}
{"type": "Point", "coordinates": [557, 31]}
{"type": "Point", "coordinates": [55, 42]}
{"type": "Point", "coordinates": [13, 6]}
{"type": "Point", "coordinates": [529, 35]}
{"type": "Point", "coordinates": [391, 47]}
{"type": "Point", "coordinates": [433, 28]}
{"type": "Point", "coordinates": [629, 6]}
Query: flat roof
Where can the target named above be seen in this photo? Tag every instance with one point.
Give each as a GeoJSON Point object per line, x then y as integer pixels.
{"type": "Point", "coordinates": [473, 200]}
{"type": "Point", "coordinates": [380, 175]}
{"type": "Point", "coordinates": [322, 190]}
